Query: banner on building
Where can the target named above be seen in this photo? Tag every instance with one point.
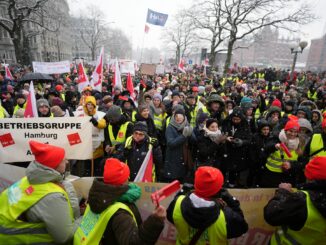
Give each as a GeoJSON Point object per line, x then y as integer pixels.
{"type": "Point", "coordinates": [127, 66]}
{"type": "Point", "coordinates": [156, 18]}
{"type": "Point", "coordinates": [73, 134]}
{"type": "Point", "coordinates": [51, 67]}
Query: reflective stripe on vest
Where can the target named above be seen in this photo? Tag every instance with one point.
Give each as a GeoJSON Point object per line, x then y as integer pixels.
{"type": "Point", "coordinates": [275, 161]}
{"type": "Point", "coordinates": [313, 231]}
{"type": "Point", "coordinates": [121, 136]}
{"type": "Point", "coordinates": [2, 112]}
{"type": "Point", "coordinates": [214, 234]}
{"type": "Point", "coordinates": [15, 201]}
{"type": "Point", "coordinates": [92, 226]}
{"type": "Point", "coordinates": [158, 120]}
{"type": "Point", "coordinates": [316, 144]}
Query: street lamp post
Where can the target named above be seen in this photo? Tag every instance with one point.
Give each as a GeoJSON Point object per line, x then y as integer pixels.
{"type": "Point", "coordinates": [295, 51]}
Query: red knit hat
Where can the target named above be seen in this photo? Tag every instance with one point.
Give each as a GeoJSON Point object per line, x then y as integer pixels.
{"type": "Point", "coordinates": [292, 124]}
{"type": "Point", "coordinates": [59, 88]}
{"type": "Point", "coordinates": [316, 169]}
{"type": "Point", "coordinates": [277, 103]}
{"type": "Point", "coordinates": [115, 172]}
{"type": "Point", "coordinates": [323, 124]}
{"type": "Point", "coordinates": [48, 155]}
{"type": "Point", "coordinates": [208, 181]}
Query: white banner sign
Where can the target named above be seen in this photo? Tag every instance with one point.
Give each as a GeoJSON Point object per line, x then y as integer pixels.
{"type": "Point", "coordinates": [73, 134]}
{"type": "Point", "coordinates": [51, 67]}
{"type": "Point", "coordinates": [127, 66]}
{"type": "Point", "coordinates": [160, 69]}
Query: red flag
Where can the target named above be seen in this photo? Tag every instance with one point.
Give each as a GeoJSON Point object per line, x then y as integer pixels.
{"type": "Point", "coordinates": [82, 78]}
{"type": "Point", "coordinates": [31, 108]}
{"type": "Point", "coordinates": [130, 86]}
{"type": "Point", "coordinates": [8, 73]}
{"type": "Point", "coordinates": [146, 29]}
{"type": "Point", "coordinates": [97, 76]}
{"type": "Point", "coordinates": [181, 66]}
{"type": "Point", "coordinates": [145, 173]}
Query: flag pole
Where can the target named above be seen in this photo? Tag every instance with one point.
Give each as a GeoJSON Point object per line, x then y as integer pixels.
{"type": "Point", "coordinates": [142, 47]}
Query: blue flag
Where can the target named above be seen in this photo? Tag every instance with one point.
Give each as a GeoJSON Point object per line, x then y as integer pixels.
{"type": "Point", "coordinates": [156, 18]}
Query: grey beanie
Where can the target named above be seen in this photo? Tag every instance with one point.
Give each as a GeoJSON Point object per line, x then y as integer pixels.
{"type": "Point", "coordinates": [114, 113]}
{"type": "Point", "coordinates": [304, 123]}
{"type": "Point", "coordinates": [141, 126]}
{"type": "Point", "coordinates": [42, 102]}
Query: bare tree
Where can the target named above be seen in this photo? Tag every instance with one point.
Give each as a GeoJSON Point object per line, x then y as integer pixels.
{"type": "Point", "coordinates": [245, 17]}
{"type": "Point", "coordinates": [117, 44]}
{"type": "Point", "coordinates": [181, 35]}
{"type": "Point", "coordinates": [209, 21]}
{"type": "Point", "coordinates": [19, 13]}
{"type": "Point", "coordinates": [92, 29]}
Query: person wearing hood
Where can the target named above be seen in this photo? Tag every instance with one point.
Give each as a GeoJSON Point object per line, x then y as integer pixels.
{"type": "Point", "coordinates": [41, 208]}
{"type": "Point", "coordinates": [279, 166]}
{"type": "Point", "coordinates": [316, 120]}
{"type": "Point", "coordinates": [289, 107]}
{"type": "Point", "coordinates": [305, 131]}
{"type": "Point", "coordinates": [214, 107]}
{"type": "Point", "coordinates": [128, 108]}
{"type": "Point", "coordinates": [136, 148]}
{"type": "Point", "coordinates": [117, 131]}
{"type": "Point", "coordinates": [43, 108]}
{"type": "Point", "coordinates": [177, 133]}
{"type": "Point", "coordinates": [304, 112]}
{"type": "Point", "coordinates": [247, 110]}
{"type": "Point", "coordinates": [111, 216]}
{"type": "Point", "coordinates": [236, 166]}
{"type": "Point", "coordinates": [99, 123]}
{"type": "Point", "coordinates": [208, 214]}
{"type": "Point", "coordinates": [300, 216]}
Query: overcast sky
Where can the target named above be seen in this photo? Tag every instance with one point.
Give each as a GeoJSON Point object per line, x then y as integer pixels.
{"type": "Point", "coordinates": [130, 16]}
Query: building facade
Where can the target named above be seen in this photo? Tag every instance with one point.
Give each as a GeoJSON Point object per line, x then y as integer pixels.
{"type": "Point", "coordinates": [317, 55]}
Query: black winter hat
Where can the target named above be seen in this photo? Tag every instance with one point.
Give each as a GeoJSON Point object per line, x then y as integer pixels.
{"type": "Point", "coordinates": [141, 126]}
{"type": "Point", "coordinates": [210, 121]}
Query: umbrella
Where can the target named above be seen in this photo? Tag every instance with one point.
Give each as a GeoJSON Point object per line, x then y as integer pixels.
{"type": "Point", "coordinates": [36, 77]}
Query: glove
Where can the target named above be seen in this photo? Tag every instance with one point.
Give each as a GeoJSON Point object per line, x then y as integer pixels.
{"type": "Point", "coordinates": [238, 142]}
{"type": "Point", "coordinates": [187, 131]}
{"type": "Point", "coordinates": [94, 121]}
{"type": "Point", "coordinates": [228, 198]}
{"type": "Point", "coordinates": [153, 142]}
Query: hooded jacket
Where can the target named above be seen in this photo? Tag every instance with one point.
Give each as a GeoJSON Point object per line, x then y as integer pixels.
{"type": "Point", "coordinates": [53, 209]}
{"type": "Point", "coordinates": [290, 208]}
{"type": "Point", "coordinates": [121, 228]}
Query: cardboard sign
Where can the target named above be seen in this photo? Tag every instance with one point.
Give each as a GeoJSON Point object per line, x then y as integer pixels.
{"type": "Point", "coordinates": [148, 69]}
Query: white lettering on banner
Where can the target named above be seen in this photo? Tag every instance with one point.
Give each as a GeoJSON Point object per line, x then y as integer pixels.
{"type": "Point", "coordinates": [73, 134]}
{"type": "Point", "coordinates": [52, 67]}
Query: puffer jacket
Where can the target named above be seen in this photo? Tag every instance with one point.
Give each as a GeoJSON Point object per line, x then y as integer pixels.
{"type": "Point", "coordinates": [121, 228]}
{"type": "Point", "coordinates": [53, 209]}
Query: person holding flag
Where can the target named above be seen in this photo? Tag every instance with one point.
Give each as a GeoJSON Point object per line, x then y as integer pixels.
{"type": "Point", "coordinates": [111, 216]}
{"type": "Point", "coordinates": [135, 150]}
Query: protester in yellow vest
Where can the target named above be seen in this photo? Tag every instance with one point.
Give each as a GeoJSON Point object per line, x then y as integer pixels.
{"type": "Point", "coordinates": [118, 130]}
{"type": "Point", "coordinates": [209, 214]}
{"type": "Point", "coordinates": [41, 207]}
{"type": "Point", "coordinates": [111, 216]}
{"type": "Point", "coordinates": [21, 102]}
{"type": "Point", "coordinates": [300, 215]}
{"type": "Point", "coordinates": [279, 166]}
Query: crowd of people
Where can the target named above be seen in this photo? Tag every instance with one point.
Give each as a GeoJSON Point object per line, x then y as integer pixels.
{"type": "Point", "coordinates": [236, 123]}
{"type": "Point", "coordinates": [249, 128]}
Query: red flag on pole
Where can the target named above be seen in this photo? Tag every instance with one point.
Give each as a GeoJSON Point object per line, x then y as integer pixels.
{"type": "Point", "coordinates": [31, 108]}
{"type": "Point", "coordinates": [145, 173]}
{"type": "Point", "coordinates": [181, 65]}
{"type": "Point", "coordinates": [97, 76]}
{"type": "Point", "coordinates": [82, 78]}
{"type": "Point", "coordinates": [146, 29]}
{"type": "Point", "coordinates": [8, 73]}
{"type": "Point", "coordinates": [130, 86]}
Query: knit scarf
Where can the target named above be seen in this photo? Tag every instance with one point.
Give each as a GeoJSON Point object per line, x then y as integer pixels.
{"type": "Point", "coordinates": [178, 126]}
{"type": "Point", "coordinates": [291, 144]}
{"type": "Point", "coordinates": [213, 135]}
{"type": "Point", "coordinates": [132, 195]}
